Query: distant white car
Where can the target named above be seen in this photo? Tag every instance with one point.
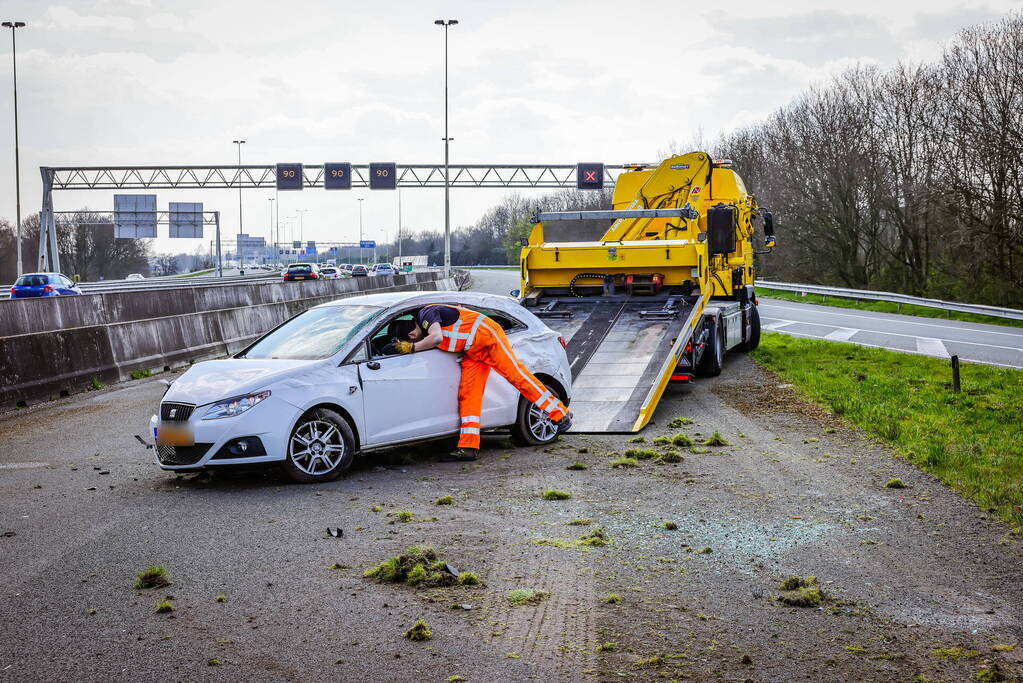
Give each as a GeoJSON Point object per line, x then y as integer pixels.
{"type": "Point", "coordinates": [332, 273]}
{"type": "Point", "coordinates": [136, 276]}
{"type": "Point", "coordinates": [324, 385]}
{"type": "Point", "coordinates": [382, 269]}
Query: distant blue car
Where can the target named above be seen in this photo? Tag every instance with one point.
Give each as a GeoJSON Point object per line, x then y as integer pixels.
{"type": "Point", "coordinates": [31, 285]}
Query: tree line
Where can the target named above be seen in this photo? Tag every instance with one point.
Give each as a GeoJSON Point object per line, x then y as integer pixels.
{"type": "Point", "coordinates": [908, 179]}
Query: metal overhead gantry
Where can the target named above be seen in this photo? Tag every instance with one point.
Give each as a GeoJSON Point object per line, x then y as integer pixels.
{"type": "Point", "coordinates": [340, 176]}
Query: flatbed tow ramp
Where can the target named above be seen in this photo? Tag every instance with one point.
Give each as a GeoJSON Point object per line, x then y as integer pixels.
{"type": "Point", "coordinates": [622, 353]}
{"type": "Point", "coordinates": [664, 293]}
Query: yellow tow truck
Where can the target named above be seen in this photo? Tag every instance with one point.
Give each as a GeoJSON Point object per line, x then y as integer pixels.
{"type": "Point", "coordinates": [661, 297]}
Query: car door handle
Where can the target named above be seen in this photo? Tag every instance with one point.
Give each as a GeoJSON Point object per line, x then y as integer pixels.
{"type": "Point", "coordinates": [373, 365]}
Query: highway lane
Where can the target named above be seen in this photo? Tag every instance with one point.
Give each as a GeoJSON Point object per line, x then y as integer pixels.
{"type": "Point", "coordinates": [973, 342]}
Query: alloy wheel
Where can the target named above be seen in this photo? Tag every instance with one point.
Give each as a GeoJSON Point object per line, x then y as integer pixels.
{"type": "Point", "coordinates": [316, 447]}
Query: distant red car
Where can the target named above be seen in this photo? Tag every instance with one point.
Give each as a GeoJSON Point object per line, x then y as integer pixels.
{"type": "Point", "coordinates": [301, 271]}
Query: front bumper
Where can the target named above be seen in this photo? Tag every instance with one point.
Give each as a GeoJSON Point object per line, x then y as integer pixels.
{"type": "Point", "coordinates": [270, 422]}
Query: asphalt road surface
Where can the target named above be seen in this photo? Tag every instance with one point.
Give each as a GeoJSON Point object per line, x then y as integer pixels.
{"type": "Point", "coordinates": [904, 572]}
{"type": "Point", "coordinates": [975, 342]}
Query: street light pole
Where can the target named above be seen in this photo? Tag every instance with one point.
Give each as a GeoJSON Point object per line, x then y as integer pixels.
{"type": "Point", "coordinates": [13, 25]}
{"type": "Point", "coordinates": [360, 230]}
{"type": "Point", "coordinates": [270, 234]}
{"type": "Point", "coordinates": [447, 185]}
{"type": "Point", "coordinates": [241, 245]}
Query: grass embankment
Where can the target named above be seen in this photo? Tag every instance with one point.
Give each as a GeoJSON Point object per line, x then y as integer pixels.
{"type": "Point", "coordinates": [884, 307]}
{"type": "Point", "coordinates": [199, 272]}
{"type": "Point", "coordinates": [970, 441]}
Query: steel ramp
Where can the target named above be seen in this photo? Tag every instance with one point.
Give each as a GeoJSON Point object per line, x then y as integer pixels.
{"type": "Point", "coordinates": [618, 350]}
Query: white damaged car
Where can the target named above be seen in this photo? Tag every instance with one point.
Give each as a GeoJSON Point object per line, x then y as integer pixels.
{"type": "Point", "coordinates": [321, 387]}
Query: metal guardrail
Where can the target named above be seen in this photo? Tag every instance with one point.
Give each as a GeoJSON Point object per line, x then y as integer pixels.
{"type": "Point", "coordinates": [892, 297]}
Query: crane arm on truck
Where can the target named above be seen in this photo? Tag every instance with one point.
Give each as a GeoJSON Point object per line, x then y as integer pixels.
{"type": "Point", "coordinates": [681, 238]}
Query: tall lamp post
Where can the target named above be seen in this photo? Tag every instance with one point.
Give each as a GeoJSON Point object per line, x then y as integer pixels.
{"type": "Point", "coordinates": [270, 234]}
{"type": "Point", "coordinates": [446, 23]}
{"type": "Point", "coordinates": [241, 245]}
{"type": "Point", "coordinates": [360, 229]}
{"type": "Point", "coordinates": [13, 25]}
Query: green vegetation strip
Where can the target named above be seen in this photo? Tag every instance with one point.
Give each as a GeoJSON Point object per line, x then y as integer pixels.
{"type": "Point", "coordinates": [884, 307]}
{"type": "Point", "coordinates": [970, 441]}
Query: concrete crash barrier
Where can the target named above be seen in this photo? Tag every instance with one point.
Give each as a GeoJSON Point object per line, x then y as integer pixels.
{"type": "Point", "coordinates": [57, 346]}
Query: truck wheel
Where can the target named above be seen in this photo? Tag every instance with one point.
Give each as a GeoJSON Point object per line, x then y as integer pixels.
{"type": "Point", "coordinates": [754, 329]}
{"type": "Point", "coordinates": [714, 355]}
{"type": "Point", "coordinates": [320, 448]}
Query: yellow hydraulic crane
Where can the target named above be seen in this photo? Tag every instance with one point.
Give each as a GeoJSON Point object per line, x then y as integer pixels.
{"type": "Point", "coordinates": [681, 234]}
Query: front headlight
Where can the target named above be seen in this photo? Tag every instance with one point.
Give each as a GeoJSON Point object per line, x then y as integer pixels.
{"type": "Point", "coordinates": [234, 406]}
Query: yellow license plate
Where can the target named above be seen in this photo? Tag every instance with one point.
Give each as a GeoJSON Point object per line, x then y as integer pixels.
{"type": "Point", "coordinates": [172, 435]}
{"type": "Point", "coordinates": [299, 278]}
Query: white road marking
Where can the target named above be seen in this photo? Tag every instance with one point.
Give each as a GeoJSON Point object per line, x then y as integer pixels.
{"type": "Point", "coordinates": [895, 334]}
{"type": "Point", "coordinates": [776, 324]}
{"type": "Point", "coordinates": [842, 334]}
{"type": "Point", "coordinates": [907, 319]}
{"type": "Point", "coordinates": [931, 347]}
{"type": "Point", "coordinates": [915, 353]}
{"type": "Point", "coordinates": [23, 465]}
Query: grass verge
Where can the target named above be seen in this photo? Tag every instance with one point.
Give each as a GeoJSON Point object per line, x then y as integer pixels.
{"type": "Point", "coordinates": [970, 441]}
{"type": "Point", "coordinates": [884, 307]}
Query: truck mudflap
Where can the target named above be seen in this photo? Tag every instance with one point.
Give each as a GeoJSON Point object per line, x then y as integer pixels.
{"type": "Point", "coordinates": [622, 353]}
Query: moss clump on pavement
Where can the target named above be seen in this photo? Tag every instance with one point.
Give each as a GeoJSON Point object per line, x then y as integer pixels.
{"type": "Point", "coordinates": [581, 522]}
{"type": "Point", "coordinates": [527, 596]}
{"type": "Point", "coordinates": [800, 592]}
{"type": "Point", "coordinates": [444, 500]}
{"type": "Point", "coordinates": [716, 439]}
{"type": "Point", "coordinates": [669, 456]}
{"type": "Point", "coordinates": [954, 653]}
{"type": "Point", "coordinates": [680, 422]}
{"type": "Point", "coordinates": [153, 577]}
{"type": "Point", "coordinates": [638, 439]}
{"type": "Point", "coordinates": [613, 599]}
{"type": "Point", "coordinates": [681, 440]}
{"type": "Point", "coordinates": [606, 647]}
{"type": "Point", "coordinates": [468, 579]}
{"type": "Point", "coordinates": [895, 484]}
{"type": "Point", "coordinates": [623, 463]}
{"type": "Point", "coordinates": [419, 631]}
{"type": "Point", "coordinates": [597, 537]}
{"type": "Point", "coordinates": [554, 494]}
{"type": "Point", "coordinates": [164, 606]}
{"type": "Point", "coordinates": [577, 466]}
{"type": "Point", "coordinates": [669, 525]}
{"type": "Point", "coordinates": [417, 566]}
{"type": "Point", "coordinates": [641, 453]}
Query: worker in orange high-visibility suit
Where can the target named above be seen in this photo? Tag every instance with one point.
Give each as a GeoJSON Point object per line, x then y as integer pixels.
{"type": "Point", "coordinates": [486, 348]}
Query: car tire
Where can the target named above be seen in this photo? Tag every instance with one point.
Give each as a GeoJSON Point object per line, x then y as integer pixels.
{"type": "Point", "coordinates": [754, 330]}
{"type": "Point", "coordinates": [329, 447]}
{"type": "Point", "coordinates": [714, 355]}
{"type": "Point", "coordinates": [532, 428]}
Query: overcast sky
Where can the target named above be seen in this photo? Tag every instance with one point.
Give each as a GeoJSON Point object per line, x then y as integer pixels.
{"type": "Point", "coordinates": [107, 82]}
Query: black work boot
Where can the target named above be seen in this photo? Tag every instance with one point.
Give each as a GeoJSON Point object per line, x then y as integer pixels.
{"type": "Point", "coordinates": [460, 455]}
{"type": "Point", "coordinates": [565, 423]}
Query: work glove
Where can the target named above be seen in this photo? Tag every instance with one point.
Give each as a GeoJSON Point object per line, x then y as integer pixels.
{"type": "Point", "coordinates": [403, 347]}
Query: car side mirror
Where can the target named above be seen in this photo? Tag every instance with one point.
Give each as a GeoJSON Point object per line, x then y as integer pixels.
{"type": "Point", "coordinates": [769, 240]}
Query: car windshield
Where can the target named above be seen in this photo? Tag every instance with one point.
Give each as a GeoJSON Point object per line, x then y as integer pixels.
{"type": "Point", "coordinates": [317, 333]}
{"type": "Point", "coordinates": [32, 281]}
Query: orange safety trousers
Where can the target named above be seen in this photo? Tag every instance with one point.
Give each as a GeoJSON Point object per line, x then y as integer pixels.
{"type": "Point", "coordinates": [486, 348]}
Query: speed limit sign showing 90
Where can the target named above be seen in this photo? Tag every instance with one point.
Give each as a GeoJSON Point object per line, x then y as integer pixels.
{"type": "Point", "coordinates": [383, 176]}
{"type": "Point", "coordinates": [337, 176]}
{"type": "Point", "coordinates": [289, 176]}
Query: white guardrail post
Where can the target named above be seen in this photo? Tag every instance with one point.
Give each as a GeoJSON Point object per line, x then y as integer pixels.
{"type": "Point", "coordinates": [892, 297]}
